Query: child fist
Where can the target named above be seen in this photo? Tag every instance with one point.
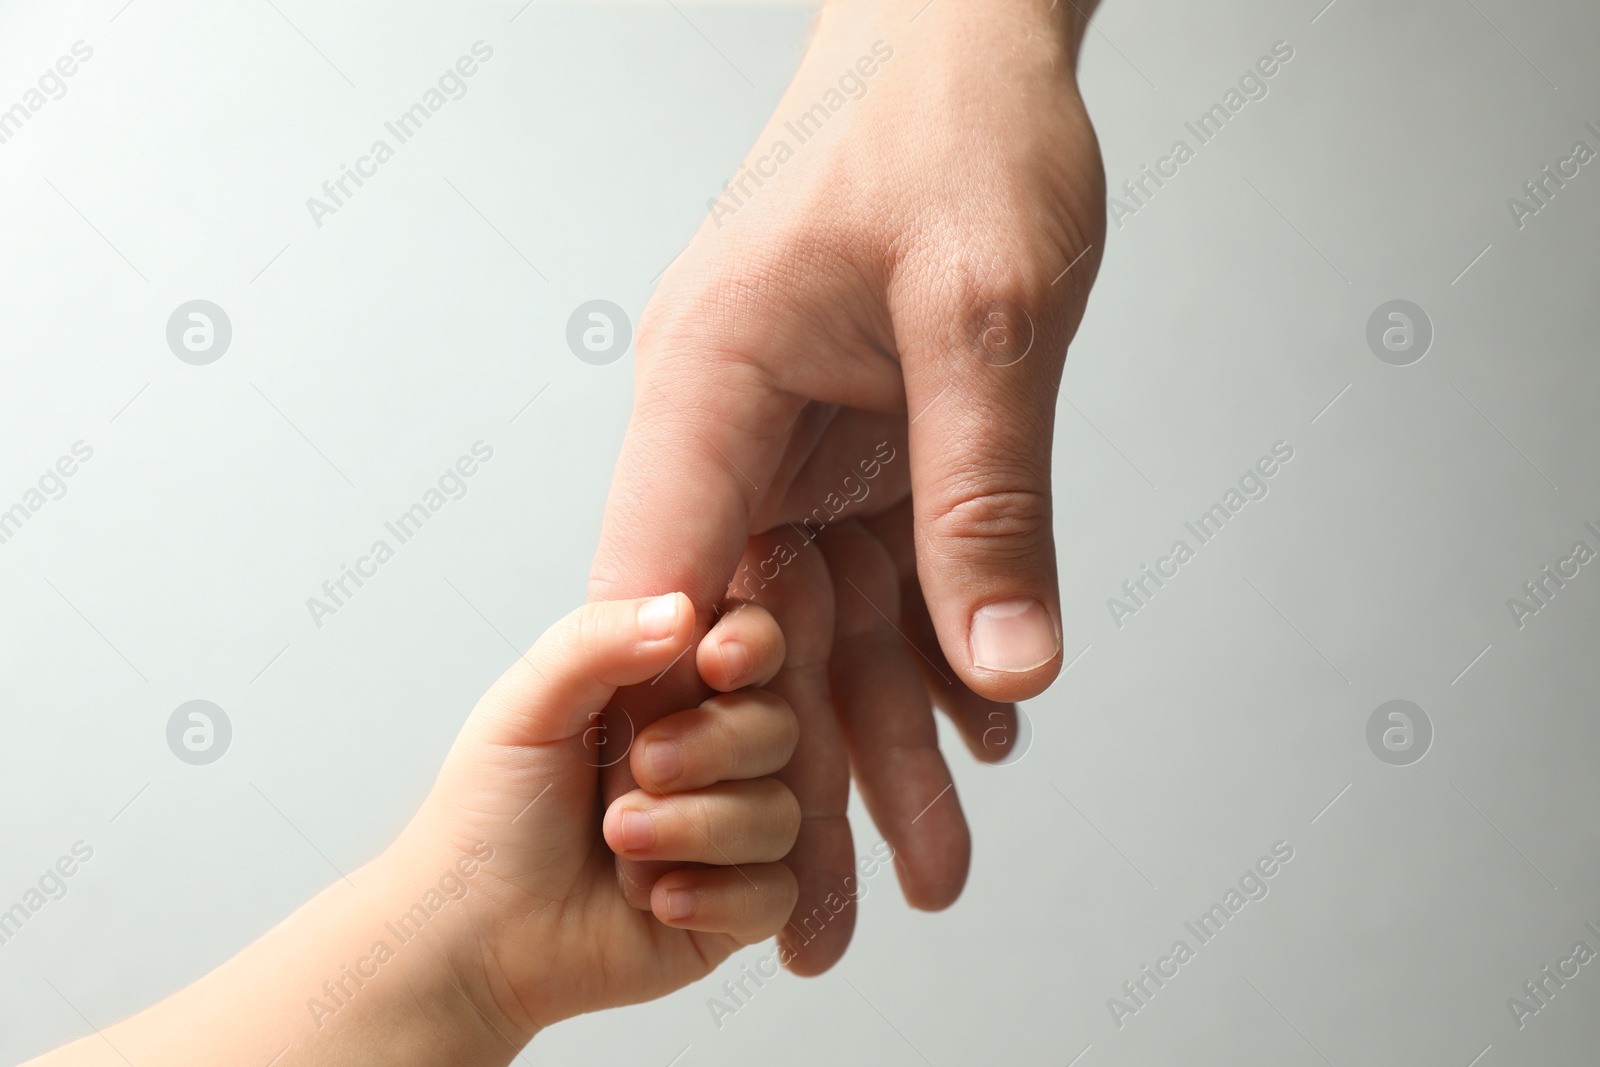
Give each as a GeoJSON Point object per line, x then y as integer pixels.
{"type": "Point", "coordinates": [544, 929]}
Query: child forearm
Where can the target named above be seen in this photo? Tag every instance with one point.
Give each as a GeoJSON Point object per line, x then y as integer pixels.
{"type": "Point", "coordinates": [353, 977]}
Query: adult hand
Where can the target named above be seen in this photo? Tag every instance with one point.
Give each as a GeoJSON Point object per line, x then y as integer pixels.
{"type": "Point", "coordinates": [871, 324]}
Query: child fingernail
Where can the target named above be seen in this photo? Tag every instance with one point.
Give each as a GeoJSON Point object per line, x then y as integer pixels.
{"type": "Point", "coordinates": [664, 760]}
{"type": "Point", "coordinates": [735, 660]}
{"type": "Point", "coordinates": [638, 831]}
{"type": "Point", "coordinates": [658, 618]}
{"type": "Point", "coordinates": [680, 904]}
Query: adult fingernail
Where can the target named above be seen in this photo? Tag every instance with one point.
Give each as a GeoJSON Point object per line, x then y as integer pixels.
{"type": "Point", "coordinates": [1013, 636]}
{"type": "Point", "coordinates": [638, 831]}
{"type": "Point", "coordinates": [680, 904]}
{"type": "Point", "coordinates": [664, 760]}
{"type": "Point", "coordinates": [658, 618]}
{"type": "Point", "coordinates": [735, 660]}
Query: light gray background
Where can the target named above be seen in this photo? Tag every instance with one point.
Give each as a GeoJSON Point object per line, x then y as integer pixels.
{"type": "Point", "coordinates": [1224, 717]}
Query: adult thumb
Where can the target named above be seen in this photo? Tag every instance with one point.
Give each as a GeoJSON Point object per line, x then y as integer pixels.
{"type": "Point", "coordinates": [981, 380]}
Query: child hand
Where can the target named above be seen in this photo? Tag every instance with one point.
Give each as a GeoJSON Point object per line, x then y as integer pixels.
{"type": "Point", "coordinates": [497, 911]}
{"type": "Point", "coordinates": [541, 926]}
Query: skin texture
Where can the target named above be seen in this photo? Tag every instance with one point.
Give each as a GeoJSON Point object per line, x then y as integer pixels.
{"type": "Point", "coordinates": [845, 397]}
{"type": "Point", "coordinates": [902, 284]}
{"type": "Point", "coordinates": [509, 868]}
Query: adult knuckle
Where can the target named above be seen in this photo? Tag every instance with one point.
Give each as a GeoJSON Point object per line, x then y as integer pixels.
{"type": "Point", "coordinates": [1003, 305]}
{"type": "Point", "coordinates": [994, 519]}
{"type": "Point", "coordinates": [723, 310]}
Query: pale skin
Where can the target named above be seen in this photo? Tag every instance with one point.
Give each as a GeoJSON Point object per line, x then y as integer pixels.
{"type": "Point", "coordinates": [909, 280]}
{"type": "Point", "coordinates": [909, 276]}
{"type": "Point", "coordinates": [539, 930]}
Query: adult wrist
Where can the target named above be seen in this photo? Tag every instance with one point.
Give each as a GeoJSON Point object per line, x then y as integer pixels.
{"type": "Point", "coordinates": [1069, 19]}
{"type": "Point", "coordinates": [968, 25]}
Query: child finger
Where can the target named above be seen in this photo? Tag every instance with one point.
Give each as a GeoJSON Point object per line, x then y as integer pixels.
{"type": "Point", "coordinates": [748, 734]}
{"type": "Point", "coordinates": [580, 662]}
{"type": "Point", "coordinates": [745, 647]}
{"type": "Point", "coordinates": [726, 823]}
{"type": "Point", "coordinates": [748, 903]}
